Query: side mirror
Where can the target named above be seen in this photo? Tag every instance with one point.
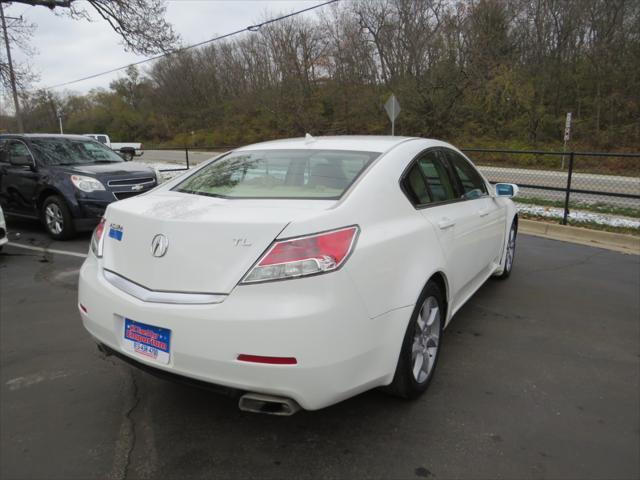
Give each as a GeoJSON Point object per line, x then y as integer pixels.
{"type": "Point", "coordinates": [508, 190]}
{"type": "Point", "coordinates": [21, 160]}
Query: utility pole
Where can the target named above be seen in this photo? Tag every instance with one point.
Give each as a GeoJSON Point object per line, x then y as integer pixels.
{"type": "Point", "coordinates": [12, 76]}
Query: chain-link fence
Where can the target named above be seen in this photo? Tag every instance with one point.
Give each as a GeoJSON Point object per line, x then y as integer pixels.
{"type": "Point", "coordinates": [172, 159]}
{"type": "Point", "coordinates": [572, 182]}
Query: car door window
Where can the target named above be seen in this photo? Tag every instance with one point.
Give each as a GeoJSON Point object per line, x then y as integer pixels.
{"type": "Point", "coordinates": [470, 180]}
{"type": "Point", "coordinates": [427, 181]}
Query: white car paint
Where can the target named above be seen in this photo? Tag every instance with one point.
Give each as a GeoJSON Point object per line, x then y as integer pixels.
{"type": "Point", "coordinates": [345, 327]}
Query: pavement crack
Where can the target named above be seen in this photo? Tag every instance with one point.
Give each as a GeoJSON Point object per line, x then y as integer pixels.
{"type": "Point", "coordinates": [126, 440]}
{"type": "Point", "coordinates": [132, 425]}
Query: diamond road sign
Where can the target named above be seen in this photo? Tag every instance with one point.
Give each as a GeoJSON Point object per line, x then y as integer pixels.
{"type": "Point", "coordinates": [392, 107]}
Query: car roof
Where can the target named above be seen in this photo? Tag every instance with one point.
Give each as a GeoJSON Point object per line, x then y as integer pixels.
{"type": "Point", "coordinates": [364, 143]}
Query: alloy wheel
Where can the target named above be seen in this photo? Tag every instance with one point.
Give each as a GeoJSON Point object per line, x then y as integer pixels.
{"type": "Point", "coordinates": [426, 340]}
{"type": "Point", "coordinates": [511, 249]}
{"type": "Point", "coordinates": [54, 219]}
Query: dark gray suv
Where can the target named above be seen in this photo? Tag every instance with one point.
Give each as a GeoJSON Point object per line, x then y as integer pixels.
{"type": "Point", "coordinates": [66, 181]}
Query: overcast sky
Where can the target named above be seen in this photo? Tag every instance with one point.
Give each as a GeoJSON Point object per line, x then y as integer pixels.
{"type": "Point", "coordinates": [70, 49]}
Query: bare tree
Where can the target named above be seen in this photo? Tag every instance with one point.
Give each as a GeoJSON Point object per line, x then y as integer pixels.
{"type": "Point", "coordinates": [19, 33]}
{"type": "Point", "coordinates": [15, 76]}
{"type": "Point", "coordinates": [140, 23]}
{"type": "Point", "coordinates": [470, 71]}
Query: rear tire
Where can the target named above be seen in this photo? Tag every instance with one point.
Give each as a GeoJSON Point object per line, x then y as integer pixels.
{"type": "Point", "coordinates": [57, 218]}
{"type": "Point", "coordinates": [127, 156]}
{"type": "Point", "coordinates": [510, 252]}
{"type": "Point", "coordinates": [421, 345]}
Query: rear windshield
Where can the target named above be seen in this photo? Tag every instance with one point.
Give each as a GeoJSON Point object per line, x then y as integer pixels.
{"type": "Point", "coordinates": [73, 151]}
{"type": "Point", "coordinates": [321, 174]}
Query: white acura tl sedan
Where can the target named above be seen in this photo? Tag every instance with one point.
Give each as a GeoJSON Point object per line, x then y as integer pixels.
{"type": "Point", "coordinates": [299, 272]}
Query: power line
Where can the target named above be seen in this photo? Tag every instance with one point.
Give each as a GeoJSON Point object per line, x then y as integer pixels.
{"type": "Point", "coordinates": [250, 28]}
{"type": "Point", "coordinates": [15, 20]}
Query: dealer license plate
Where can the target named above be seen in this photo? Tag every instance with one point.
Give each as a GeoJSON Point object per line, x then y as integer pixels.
{"type": "Point", "coordinates": [147, 340]}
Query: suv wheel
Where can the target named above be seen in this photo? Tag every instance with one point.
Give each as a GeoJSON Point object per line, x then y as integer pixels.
{"type": "Point", "coordinates": [57, 218]}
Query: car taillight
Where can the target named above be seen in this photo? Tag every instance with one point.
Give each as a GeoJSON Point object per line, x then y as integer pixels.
{"type": "Point", "coordinates": [308, 255]}
{"type": "Point", "coordinates": [96, 238]}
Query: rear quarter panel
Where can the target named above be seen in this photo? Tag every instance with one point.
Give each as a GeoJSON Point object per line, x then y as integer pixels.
{"type": "Point", "coordinates": [397, 250]}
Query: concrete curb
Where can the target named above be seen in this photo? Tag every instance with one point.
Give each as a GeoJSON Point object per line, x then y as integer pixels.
{"type": "Point", "coordinates": [595, 238]}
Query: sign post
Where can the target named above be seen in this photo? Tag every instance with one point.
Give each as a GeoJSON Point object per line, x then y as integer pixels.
{"type": "Point", "coordinates": [567, 135]}
{"type": "Point", "coordinates": [59, 114]}
{"type": "Point", "coordinates": [393, 110]}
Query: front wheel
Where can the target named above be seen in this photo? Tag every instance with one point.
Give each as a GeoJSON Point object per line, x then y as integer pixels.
{"type": "Point", "coordinates": [510, 253]}
{"type": "Point", "coordinates": [421, 345]}
{"type": "Point", "coordinates": [57, 218]}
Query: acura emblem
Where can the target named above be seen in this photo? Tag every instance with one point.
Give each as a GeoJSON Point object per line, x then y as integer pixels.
{"type": "Point", "coordinates": [159, 245]}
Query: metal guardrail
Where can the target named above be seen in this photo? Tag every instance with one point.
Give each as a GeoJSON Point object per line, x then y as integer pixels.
{"type": "Point", "coordinates": [567, 176]}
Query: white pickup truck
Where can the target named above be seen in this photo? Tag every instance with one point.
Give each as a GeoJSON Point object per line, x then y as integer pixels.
{"type": "Point", "coordinates": [126, 150]}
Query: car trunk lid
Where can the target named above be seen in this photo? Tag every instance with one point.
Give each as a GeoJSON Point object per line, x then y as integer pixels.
{"type": "Point", "coordinates": [210, 242]}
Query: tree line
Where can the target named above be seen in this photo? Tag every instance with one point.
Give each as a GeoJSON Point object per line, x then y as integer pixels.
{"type": "Point", "coordinates": [474, 72]}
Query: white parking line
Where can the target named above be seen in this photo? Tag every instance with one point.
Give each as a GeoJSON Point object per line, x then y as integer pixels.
{"type": "Point", "coordinates": [48, 250]}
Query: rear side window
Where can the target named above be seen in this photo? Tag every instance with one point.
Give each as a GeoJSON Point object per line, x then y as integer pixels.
{"type": "Point", "coordinates": [437, 178]}
{"type": "Point", "coordinates": [471, 182]}
{"type": "Point", "coordinates": [306, 174]}
{"type": "Point", "coordinates": [427, 181]}
{"type": "Point", "coordinates": [4, 158]}
{"type": "Point", "coordinates": [416, 186]}
{"type": "Point", "coordinates": [17, 149]}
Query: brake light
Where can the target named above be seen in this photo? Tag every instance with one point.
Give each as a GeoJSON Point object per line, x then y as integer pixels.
{"type": "Point", "coordinates": [302, 256]}
{"type": "Point", "coordinates": [96, 238]}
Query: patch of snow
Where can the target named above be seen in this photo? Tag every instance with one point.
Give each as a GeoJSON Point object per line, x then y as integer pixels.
{"type": "Point", "coordinates": [579, 216]}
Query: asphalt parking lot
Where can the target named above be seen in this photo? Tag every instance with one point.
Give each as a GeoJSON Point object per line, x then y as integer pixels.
{"type": "Point", "coordinates": [538, 378]}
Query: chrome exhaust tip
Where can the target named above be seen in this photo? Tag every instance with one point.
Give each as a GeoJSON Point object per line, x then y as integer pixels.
{"type": "Point", "coordinates": [269, 404]}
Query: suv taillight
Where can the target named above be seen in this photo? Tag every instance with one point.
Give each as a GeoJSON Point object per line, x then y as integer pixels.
{"type": "Point", "coordinates": [96, 238]}
{"type": "Point", "coordinates": [302, 256]}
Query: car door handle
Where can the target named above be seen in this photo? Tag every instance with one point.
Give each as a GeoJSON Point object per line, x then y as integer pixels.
{"type": "Point", "coordinates": [445, 223]}
{"type": "Point", "coordinates": [484, 212]}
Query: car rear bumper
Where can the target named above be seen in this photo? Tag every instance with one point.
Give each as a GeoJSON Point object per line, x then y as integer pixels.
{"type": "Point", "coordinates": [320, 321]}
